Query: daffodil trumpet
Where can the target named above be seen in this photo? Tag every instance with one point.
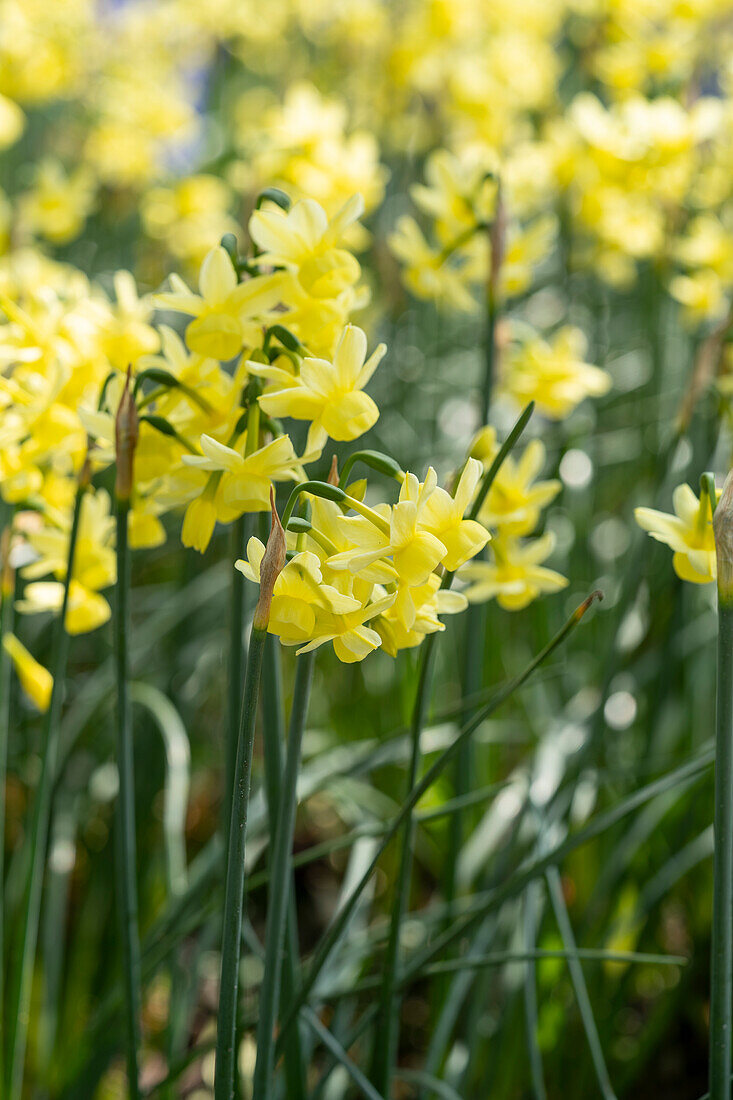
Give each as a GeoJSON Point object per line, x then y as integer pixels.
{"type": "Point", "coordinates": [271, 566]}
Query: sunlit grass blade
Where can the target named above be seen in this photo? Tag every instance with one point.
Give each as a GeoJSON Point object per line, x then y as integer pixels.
{"type": "Point", "coordinates": [19, 1005]}
{"type": "Point", "coordinates": [529, 931]}
{"type": "Point", "coordinates": [585, 1008]}
{"type": "Point", "coordinates": [332, 935]}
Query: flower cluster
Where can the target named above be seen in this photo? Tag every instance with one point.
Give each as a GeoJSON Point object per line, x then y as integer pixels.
{"type": "Point", "coordinates": [511, 510]}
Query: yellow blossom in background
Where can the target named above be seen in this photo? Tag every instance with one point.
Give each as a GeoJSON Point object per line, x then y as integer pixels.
{"type": "Point", "coordinates": [552, 373]}
{"type": "Point", "coordinates": [516, 575]}
{"type": "Point", "coordinates": [688, 532]}
{"type": "Point", "coordinates": [58, 204]}
{"type": "Point", "coordinates": [36, 681]}
{"type": "Point", "coordinates": [189, 217]}
{"type": "Point", "coordinates": [227, 314]}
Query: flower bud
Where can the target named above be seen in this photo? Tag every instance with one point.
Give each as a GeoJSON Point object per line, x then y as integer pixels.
{"type": "Point", "coordinates": [270, 568]}
{"type": "Point", "coordinates": [126, 433]}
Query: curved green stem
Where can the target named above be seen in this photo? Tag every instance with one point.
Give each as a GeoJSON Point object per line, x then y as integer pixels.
{"type": "Point", "coordinates": [233, 899]}
{"type": "Point", "coordinates": [26, 950]}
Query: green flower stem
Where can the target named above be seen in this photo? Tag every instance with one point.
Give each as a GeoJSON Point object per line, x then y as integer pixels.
{"type": "Point", "coordinates": [387, 1029]}
{"type": "Point", "coordinates": [19, 1014]}
{"type": "Point", "coordinates": [280, 875]}
{"type": "Point", "coordinates": [721, 963]}
{"type": "Point", "coordinates": [233, 899]}
{"type": "Point", "coordinates": [274, 724]}
{"type": "Point", "coordinates": [7, 592]}
{"type": "Point", "coordinates": [237, 597]}
{"type": "Point", "coordinates": [126, 860]}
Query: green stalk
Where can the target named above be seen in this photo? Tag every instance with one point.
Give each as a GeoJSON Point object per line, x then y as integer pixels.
{"type": "Point", "coordinates": [126, 861]}
{"type": "Point", "coordinates": [387, 1029]}
{"type": "Point", "coordinates": [7, 591]}
{"type": "Point", "coordinates": [280, 875]}
{"type": "Point", "coordinates": [19, 1014]}
{"type": "Point", "coordinates": [274, 724]}
{"type": "Point", "coordinates": [721, 963]}
{"type": "Point", "coordinates": [237, 595]}
{"type": "Point", "coordinates": [234, 670]}
{"type": "Point", "coordinates": [475, 635]}
{"type": "Point", "coordinates": [233, 899]}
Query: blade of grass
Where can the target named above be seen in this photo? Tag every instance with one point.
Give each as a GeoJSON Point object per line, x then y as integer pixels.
{"type": "Point", "coordinates": [19, 1013]}
{"type": "Point", "coordinates": [530, 993]}
{"type": "Point", "coordinates": [585, 1008]}
{"type": "Point", "coordinates": [331, 936]}
{"type": "Point", "coordinates": [386, 1033]}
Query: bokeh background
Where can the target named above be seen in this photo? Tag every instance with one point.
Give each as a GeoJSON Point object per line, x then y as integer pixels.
{"type": "Point", "coordinates": [134, 135]}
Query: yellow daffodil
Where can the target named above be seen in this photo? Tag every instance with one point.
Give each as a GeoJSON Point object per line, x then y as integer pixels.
{"type": "Point", "coordinates": [227, 314]}
{"type": "Point", "coordinates": [689, 533]}
{"type": "Point", "coordinates": [516, 576]}
{"type": "Point", "coordinates": [552, 373]}
{"type": "Point", "coordinates": [515, 499]}
{"type": "Point", "coordinates": [329, 394]}
{"type": "Point", "coordinates": [442, 515]}
{"type": "Point", "coordinates": [36, 681]}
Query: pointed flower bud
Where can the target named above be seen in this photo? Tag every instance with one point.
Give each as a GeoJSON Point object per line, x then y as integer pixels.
{"type": "Point", "coordinates": [270, 568]}
{"type": "Point", "coordinates": [126, 433]}
{"type": "Point", "coordinates": [333, 473]}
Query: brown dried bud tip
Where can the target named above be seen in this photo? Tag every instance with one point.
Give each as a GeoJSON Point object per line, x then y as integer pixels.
{"type": "Point", "coordinates": [270, 568]}
{"type": "Point", "coordinates": [333, 473]}
{"type": "Point", "coordinates": [126, 433]}
{"type": "Point", "coordinates": [723, 529]}
{"type": "Point", "coordinates": [586, 604]}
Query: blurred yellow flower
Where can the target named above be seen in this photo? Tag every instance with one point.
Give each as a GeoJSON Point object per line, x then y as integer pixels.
{"type": "Point", "coordinates": [36, 681]}
{"type": "Point", "coordinates": [689, 533]}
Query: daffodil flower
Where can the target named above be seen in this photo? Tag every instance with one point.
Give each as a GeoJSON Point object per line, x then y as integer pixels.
{"type": "Point", "coordinates": [405, 624]}
{"type": "Point", "coordinates": [413, 552]}
{"type": "Point", "coordinates": [689, 533]}
{"type": "Point", "coordinates": [442, 515]}
{"type": "Point", "coordinates": [553, 373]}
{"type": "Point", "coordinates": [330, 395]}
{"type": "Point", "coordinates": [227, 314]}
{"type": "Point", "coordinates": [86, 609]}
{"type": "Point", "coordinates": [299, 596]}
{"type": "Point", "coordinates": [515, 577]}
{"type": "Point", "coordinates": [36, 681]}
{"type": "Point", "coordinates": [515, 499]}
